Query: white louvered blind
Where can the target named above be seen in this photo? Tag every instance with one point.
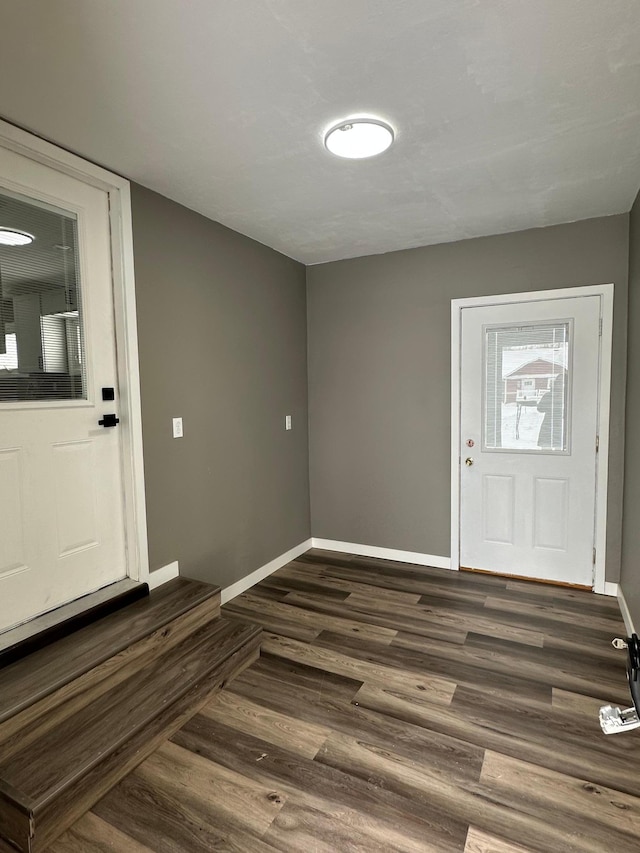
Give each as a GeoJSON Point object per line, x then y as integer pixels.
{"type": "Point", "coordinates": [527, 385]}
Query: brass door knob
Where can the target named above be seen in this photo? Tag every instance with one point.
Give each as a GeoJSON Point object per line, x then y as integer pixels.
{"type": "Point", "coordinates": [468, 461]}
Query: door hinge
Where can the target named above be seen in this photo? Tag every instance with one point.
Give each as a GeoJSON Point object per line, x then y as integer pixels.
{"type": "Point", "coordinates": [593, 560]}
{"type": "Point", "coordinates": [597, 444]}
{"type": "Point", "coordinates": [600, 327]}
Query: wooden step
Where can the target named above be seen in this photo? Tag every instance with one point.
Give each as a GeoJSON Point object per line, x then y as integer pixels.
{"type": "Point", "coordinates": [49, 669]}
{"type": "Point", "coordinates": [88, 724]}
{"type": "Point", "coordinates": [25, 639]}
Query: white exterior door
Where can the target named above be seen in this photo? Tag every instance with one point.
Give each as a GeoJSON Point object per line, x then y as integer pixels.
{"type": "Point", "coordinates": [528, 431]}
{"type": "Point", "coordinates": [61, 481]}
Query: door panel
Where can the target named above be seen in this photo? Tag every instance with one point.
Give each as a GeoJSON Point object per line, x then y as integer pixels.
{"type": "Point", "coordinates": [76, 478]}
{"type": "Point", "coordinates": [529, 410]}
{"type": "Point", "coordinates": [12, 551]}
{"type": "Point", "coordinates": [550, 513]}
{"type": "Point", "coordinates": [61, 483]}
{"type": "Point", "coordinates": [498, 506]}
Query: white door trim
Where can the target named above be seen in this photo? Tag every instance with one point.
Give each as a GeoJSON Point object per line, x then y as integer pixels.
{"type": "Point", "coordinates": [605, 291]}
{"type": "Point", "coordinates": [118, 189]}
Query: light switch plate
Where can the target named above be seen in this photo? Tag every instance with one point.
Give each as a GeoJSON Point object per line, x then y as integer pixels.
{"type": "Point", "coordinates": [177, 428]}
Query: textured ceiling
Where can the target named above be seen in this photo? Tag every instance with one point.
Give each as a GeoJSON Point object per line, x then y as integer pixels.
{"type": "Point", "coordinates": [510, 114]}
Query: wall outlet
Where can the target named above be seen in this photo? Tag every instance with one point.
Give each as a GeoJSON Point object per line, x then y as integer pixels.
{"type": "Point", "coordinates": [287, 422]}
{"type": "Point", "coordinates": [177, 428]}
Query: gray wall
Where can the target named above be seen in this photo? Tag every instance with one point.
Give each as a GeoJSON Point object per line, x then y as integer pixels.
{"type": "Point", "coordinates": [630, 575]}
{"type": "Point", "coordinates": [222, 337]}
{"type": "Point", "coordinates": [379, 374]}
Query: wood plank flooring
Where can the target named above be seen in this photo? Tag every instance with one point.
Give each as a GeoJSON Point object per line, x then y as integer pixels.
{"type": "Point", "coordinates": [395, 708]}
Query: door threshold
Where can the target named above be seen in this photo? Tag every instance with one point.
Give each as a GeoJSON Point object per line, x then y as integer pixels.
{"type": "Point", "coordinates": [564, 584]}
{"type": "Point", "coordinates": [18, 642]}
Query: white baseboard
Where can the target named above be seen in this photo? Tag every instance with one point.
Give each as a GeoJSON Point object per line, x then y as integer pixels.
{"type": "Point", "coordinates": [163, 575]}
{"type": "Point", "coordinates": [610, 589]}
{"type": "Point", "coordinates": [250, 580]}
{"type": "Point", "coordinates": [626, 615]}
{"type": "Point", "coordinates": [383, 553]}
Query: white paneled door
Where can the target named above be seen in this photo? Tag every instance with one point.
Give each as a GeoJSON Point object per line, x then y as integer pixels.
{"type": "Point", "coordinates": [529, 415]}
{"type": "Point", "coordinates": [61, 482]}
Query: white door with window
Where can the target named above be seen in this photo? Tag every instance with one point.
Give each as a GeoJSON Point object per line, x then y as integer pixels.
{"type": "Point", "coordinates": [528, 438]}
{"type": "Point", "coordinates": [62, 526]}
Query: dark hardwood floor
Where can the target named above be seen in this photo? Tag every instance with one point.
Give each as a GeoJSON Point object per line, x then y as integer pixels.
{"type": "Point", "coordinates": [396, 708]}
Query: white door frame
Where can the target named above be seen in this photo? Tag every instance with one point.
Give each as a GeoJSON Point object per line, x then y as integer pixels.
{"type": "Point", "coordinates": [118, 189]}
{"type": "Point", "coordinates": [605, 291]}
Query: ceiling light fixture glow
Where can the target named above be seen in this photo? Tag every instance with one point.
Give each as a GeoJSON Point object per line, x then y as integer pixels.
{"type": "Point", "coordinates": [358, 138]}
{"type": "Point", "coordinates": [13, 237]}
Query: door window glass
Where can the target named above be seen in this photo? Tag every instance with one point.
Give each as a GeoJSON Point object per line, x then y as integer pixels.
{"type": "Point", "coordinates": [41, 328]}
{"type": "Point", "coordinates": [527, 380]}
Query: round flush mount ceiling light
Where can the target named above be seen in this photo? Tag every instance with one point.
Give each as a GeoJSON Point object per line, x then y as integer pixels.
{"type": "Point", "coordinates": [13, 237]}
{"type": "Point", "coordinates": [358, 138]}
